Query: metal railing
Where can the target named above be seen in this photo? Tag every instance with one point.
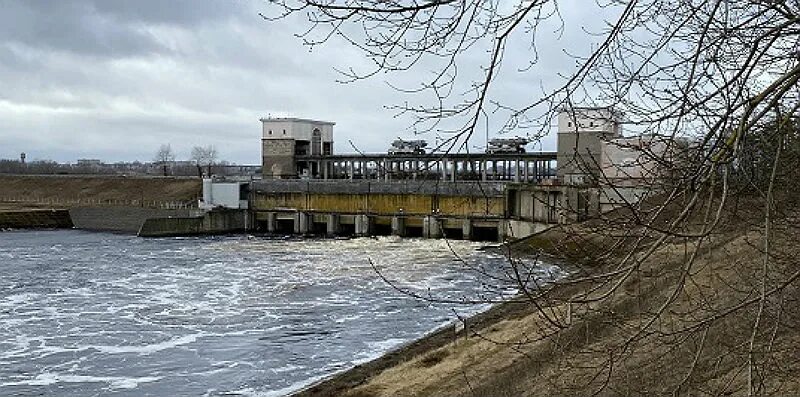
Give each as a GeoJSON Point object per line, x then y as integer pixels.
{"type": "Point", "coordinates": [91, 201]}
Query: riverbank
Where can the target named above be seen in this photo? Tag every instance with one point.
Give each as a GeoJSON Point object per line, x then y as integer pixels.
{"type": "Point", "coordinates": [66, 191]}
{"type": "Point", "coordinates": [641, 316]}
{"type": "Point", "coordinates": [98, 202]}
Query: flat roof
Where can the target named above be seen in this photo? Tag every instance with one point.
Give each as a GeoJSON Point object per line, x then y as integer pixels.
{"type": "Point", "coordinates": [295, 119]}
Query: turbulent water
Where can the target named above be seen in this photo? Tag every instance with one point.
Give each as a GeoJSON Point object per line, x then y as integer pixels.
{"type": "Point", "coordinates": [101, 314]}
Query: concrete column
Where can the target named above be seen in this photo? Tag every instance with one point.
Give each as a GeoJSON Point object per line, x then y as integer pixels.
{"type": "Point", "coordinates": [443, 168]}
{"type": "Point", "coordinates": [398, 226]}
{"type": "Point", "coordinates": [271, 222]}
{"type": "Point", "coordinates": [333, 225]}
{"type": "Point", "coordinates": [324, 170]}
{"type": "Point", "coordinates": [350, 169]}
{"type": "Point", "coordinates": [483, 170]}
{"type": "Point", "coordinates": [363, 225]}
{"type": "Point", "coordinates": [502, 231]}
{"type": "Point", "coordinates": [301, 222]}
{"type": "Point", "coordinates": [516, 170]}
{"type": "Point", "coordinates": [525, 170]}
{"type": "Point", "coordinates": [431, 228]}
{"type": "Point", "coordinates": [454, 170]}
{"type": "Point", "coordinates": [466, 228]}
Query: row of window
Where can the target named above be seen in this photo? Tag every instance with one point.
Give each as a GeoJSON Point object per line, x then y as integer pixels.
{"type": "Point", "coordinates": [569, 124]}
{"type": "Point", "coordinates": [316, 132]}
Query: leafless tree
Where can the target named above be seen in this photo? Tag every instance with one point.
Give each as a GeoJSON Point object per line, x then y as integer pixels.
{"type": "Point", "coordinates": [204, 156]}
{"type": "Point", "coordinates": [721, 75]}
{"type": "Point", "coordinates": [164, 157]}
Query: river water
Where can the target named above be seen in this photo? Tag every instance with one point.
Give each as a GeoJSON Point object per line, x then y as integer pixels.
{"type": "Point", "coordinates": [96, 314]}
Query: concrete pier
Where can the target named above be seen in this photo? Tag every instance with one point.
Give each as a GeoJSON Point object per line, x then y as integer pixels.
{"type": "Point", "coordinates": [431, 227]}
{"type": "Point", "coordinates": [333, 225]}
{"type": "Point", "coordinates": [398, 226]}
{"type": "Point", "coordinates": [301, 223]}
{"type": "Point", "coordinates": [466, 229]}
{"type": "Point", "coordinates": [363, 225]}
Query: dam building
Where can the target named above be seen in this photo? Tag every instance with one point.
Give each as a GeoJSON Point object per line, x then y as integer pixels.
{"type": "Point", "coordinates": [292, 147]}
{"type": "Point", "coordinates": [504, 193]}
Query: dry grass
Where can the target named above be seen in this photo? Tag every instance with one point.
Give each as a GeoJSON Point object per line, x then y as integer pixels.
{"type": "Point", "coordinates": [99, 188]}
{"type": "Point", "coordinates": [689, 348]}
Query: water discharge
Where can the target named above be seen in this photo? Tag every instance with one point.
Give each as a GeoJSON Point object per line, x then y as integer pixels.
{"type": "Point", "coordinates": [101, 314]}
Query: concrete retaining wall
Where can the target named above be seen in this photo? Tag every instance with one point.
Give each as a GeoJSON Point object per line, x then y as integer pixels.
{"type": "Point", "coordinates": [120, 219]}
{"type": "Point", "coordinates": [213, 222]}
{"type": "Point", "coordinates": [24, 219]}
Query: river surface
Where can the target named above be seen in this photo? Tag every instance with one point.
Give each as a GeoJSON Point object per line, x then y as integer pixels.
{"type": "Point", "coordinates": [96, 314]}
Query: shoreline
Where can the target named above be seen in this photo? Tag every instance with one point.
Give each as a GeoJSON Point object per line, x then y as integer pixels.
{"type": "Point", "coordinates": [341, 382]}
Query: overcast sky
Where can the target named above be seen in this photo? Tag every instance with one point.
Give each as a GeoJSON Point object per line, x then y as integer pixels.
{"type": "Point", "coordinates": [114, 79]}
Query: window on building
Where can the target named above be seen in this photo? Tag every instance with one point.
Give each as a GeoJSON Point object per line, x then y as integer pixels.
{"type": "Point", "coordinates": [284, 132]}
{"type": "Point", "coordinates": [270, 132]}
{"type": "Point", "coordinates": [569, 124]}
{"type": "Point", "coordinates": [591, 124]}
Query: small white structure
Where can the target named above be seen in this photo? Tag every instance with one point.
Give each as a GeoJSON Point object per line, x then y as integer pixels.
{"type": "Point", "coordinates": [229, 195]}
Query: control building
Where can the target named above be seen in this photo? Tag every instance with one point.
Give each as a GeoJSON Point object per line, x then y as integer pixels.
{"type": "Point", "coordinates": [291, 147]}
{"type": "Point", "coordinates": [583, 135]}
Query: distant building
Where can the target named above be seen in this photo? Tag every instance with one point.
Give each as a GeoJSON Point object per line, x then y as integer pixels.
{"type": "Point", "coordinates": [89, 163]}
{"type": "Point", "coordinates": [292, 147]}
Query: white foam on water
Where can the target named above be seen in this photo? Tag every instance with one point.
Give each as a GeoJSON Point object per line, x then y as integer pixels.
{"type": "Point", "coordinates": [284, 391]}
{"type": "Point", "coordinates": [114, 382]}
{"type": "Point", "coordinates": [234, 295]}
{"type": "Point", "coordinates": [147, 349]}
{"type": "Point", "coordinates": [286, 368]}
{"type": "Point", "coordinates": [17, 299]}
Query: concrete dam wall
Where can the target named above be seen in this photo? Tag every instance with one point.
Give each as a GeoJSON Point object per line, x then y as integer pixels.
{"type": "Point", "coordinates": [431, 209]}
{"type": "Point", "coordinates": [462, 199]}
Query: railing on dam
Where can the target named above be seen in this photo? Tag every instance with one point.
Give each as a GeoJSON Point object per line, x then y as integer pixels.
{"type": "Point", "coordinates": [462, 188]}
{"type": "Point", "coordinates": [516, 167]}
{"type": "Point", "coordinates": [97, 202]}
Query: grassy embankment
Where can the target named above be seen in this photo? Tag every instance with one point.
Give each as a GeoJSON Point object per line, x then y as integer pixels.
{"type": "Point", "coordinates": [64, 191]}
{"type": "Point", "coordinates": [681, 321]}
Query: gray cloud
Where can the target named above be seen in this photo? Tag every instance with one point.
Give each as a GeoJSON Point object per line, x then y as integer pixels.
{"type": "Point", "coordinates": [115, 79]}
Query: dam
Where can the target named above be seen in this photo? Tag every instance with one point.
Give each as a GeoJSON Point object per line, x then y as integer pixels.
{"type": "Point", "coordinates": [502, 194]}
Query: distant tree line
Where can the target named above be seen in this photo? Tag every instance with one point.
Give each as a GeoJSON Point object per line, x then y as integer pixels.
{"type": "Point", "coordinates": [204, 161]}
